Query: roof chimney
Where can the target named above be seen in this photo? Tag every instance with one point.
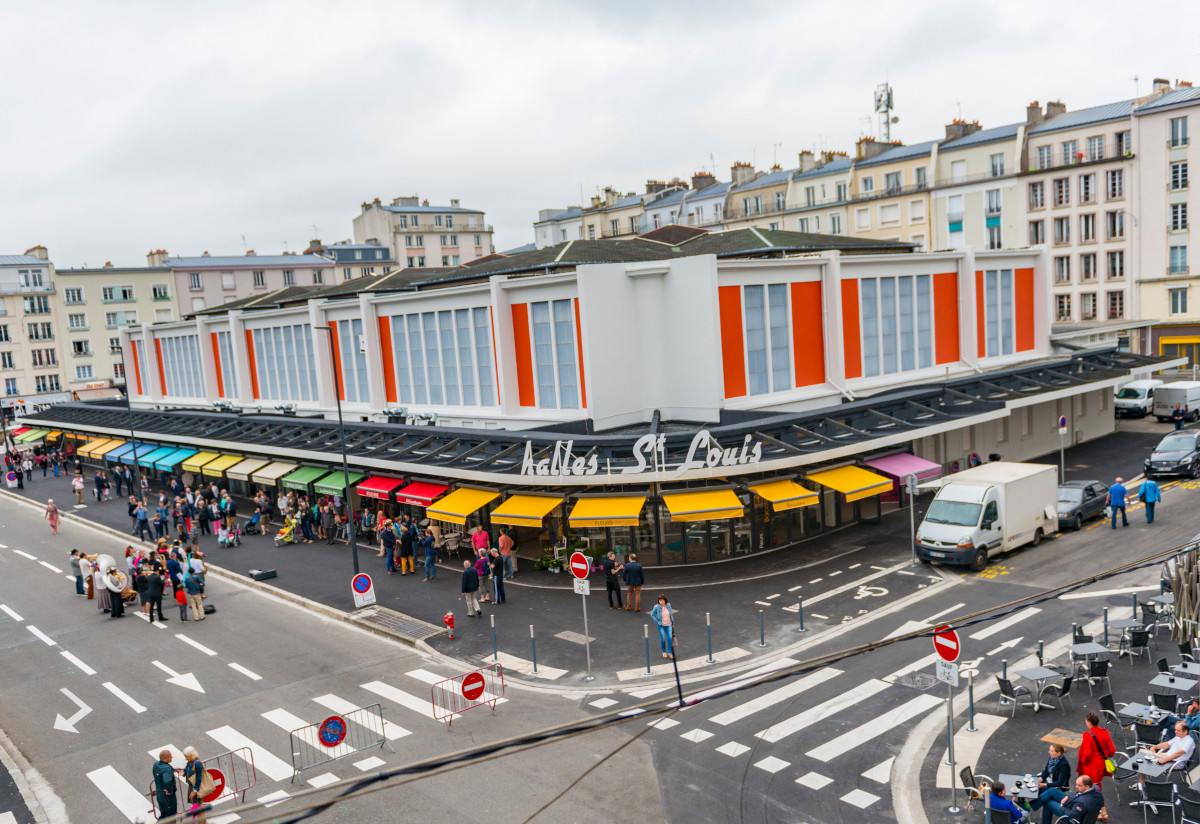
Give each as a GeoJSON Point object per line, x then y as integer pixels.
{"type": "Point", "coordinates": [741, 173]}
{"type": "Point", "coordinates": [702, 180]}
{"type": "Point", "coordinates": [1054, 108]}
{"type": "Point", "coordinates": [453, 203]}
{"type": "Point", "coordinates": [807, 161]}
{"type": "Point", "coordinates": [611, 196]}
{"type": "Point", "coordinates": [156, 258]}
{"type": "Point", "coordinates": [38, 252]}
{"type": "Point", "coordinates": [869, 147]}
{"type": "Point", "coordinates": [655, 186]}
{"type": "Point", "coordinates": [960, 128]}
{"type": "Point", "coordinates": [1162, 84]}
{"type": "Point", "coordinates": [596, 201]}
{"type": "Point", "coordinates": [1033, 114]}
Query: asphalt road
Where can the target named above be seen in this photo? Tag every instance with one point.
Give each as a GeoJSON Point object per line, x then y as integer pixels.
{"type": "Point", "coordinates": [121, 689]}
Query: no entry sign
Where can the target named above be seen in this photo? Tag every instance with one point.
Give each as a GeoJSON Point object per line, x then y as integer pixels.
{"type": "Point", "coordinates": [579, 565]}
{"type": "Point", "coordinates": [472, 686]}
{"type": "Point", "coordinates": [218, 779]}
{"type": "Point", "coordinates": [946, 644]}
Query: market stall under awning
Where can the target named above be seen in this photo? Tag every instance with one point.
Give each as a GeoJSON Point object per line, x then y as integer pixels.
{"type": "Point", "coordinates": [174, 459]}
{"type": "Point", "coordinates": [602, 511]}
{"type": "Point", "coordinates": [241, 471]}
{"type": "Point", "coordinates": [703, 504]}
{"type": "Point", "coordinates": [903, 464]}
{"type": "Point", "coordinates": [419, 493]}
{"type": "Point", "coordinates": [854, 482]}
{"type": "Point", "coordinates": [157, 455]}
{"type": "Point", "coordinates": [335, 483]}
{"type": "Point", "coordinates": [459, 504]}
{"type": "Point", "coordinates": [119, 453]}
{"type": "Point", "coordinates": [103, 450]}
{"type": "Point", "coordinates": [378, 487]}
{"type": "Point", "coordinates": [270, 475]}
{"type": "Point", "coordinates": [784, 494]}
{"type": "Point", "coordinates": [302, 477]}
{"type": "Point", "coordinates": [524, 509]}
{"type": "Point", "coordinates": [141, 451]}
{"type": "Point", "coordinates": [86, 449]}
{"type": "Point", "coordinates": [197, 461]}
{"type": "Point", "coordinates": [216, 467]}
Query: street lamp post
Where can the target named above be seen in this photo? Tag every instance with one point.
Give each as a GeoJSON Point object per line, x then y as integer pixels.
{"type": "Point", "coordinates": [137, 468]}
{"type": "Point", "coordinates": [337, 396]}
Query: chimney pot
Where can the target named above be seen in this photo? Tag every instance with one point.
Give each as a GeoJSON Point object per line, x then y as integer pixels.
{"type": "Point", "coordinates": [454, 202]}
{"type": "Point", "coordinates": [1161, 84]}
{"type": "Point", "coordinates": [702, 180]}
{"type": "Point", "coordinates": [1054, 108]}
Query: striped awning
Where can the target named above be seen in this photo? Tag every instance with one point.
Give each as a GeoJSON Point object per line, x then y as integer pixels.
{"type": "Point", "coordinates": [525, 509]}
{"type": "Point", "coordinates": [703, 505]}
{"type": "Point", "coordinates": [854, 482]}
{"type": "Point", "coordinates": [456, 507]}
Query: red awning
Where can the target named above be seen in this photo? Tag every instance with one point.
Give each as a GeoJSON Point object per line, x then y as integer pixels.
{"type": "Point", "coordinates": [419, 493]}
{"type": "Point", "coordinates": [20, 431]}
{"type": "Point", "coordinates": [378, 486]}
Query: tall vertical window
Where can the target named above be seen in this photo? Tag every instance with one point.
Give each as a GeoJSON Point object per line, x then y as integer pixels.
{"type": "Point", "coordinates": [835, 224]}
{"type": "Point", "coordinates": [1179, 219]}
{"type": "Point", "coordinates": [1124, 143]}
{"type": "Point", "coordinates": [1179, 175]}
{"type": "Point", "coordinates": [1179, 131]}
{"type": "Point", "coordinates": [1037, 195]}
{"type": "Point", "coordinates": [997, 163]}
{"type": "Point", "coordinates": [181, 366]}
{"type": "Point", "coordinates": [1070, 148]}
{"type": "Point", "coordinates": [993, 201]}
{"type": "Point", "coordinates": [1062, 191]}
{"type": "Point", "coordinates": [354, 361]}
{"type": "Point", "coordinates": [1087, 227]}
{"type": "Point", "coordinates": [1045, 157]}
{"type": "Point", "coordinates": [768, 348]}
{"type": "Point", "coordinates": [283, 357]}
{"type": "Point", "coordinates": [1115, 224]}
{"type": "Point", "coordinates": [1178, 299]}
{"type": "Point", "coordinates": [433, 357]}
{"type": "Point", "coordinates": [229, 379]}
{"type": "Point", "coordinates": [554, 354]}
{"type": "Point", "coordinates": [1116, 265]}
{"type": "Point", "coordinates": [1116, 305]}
{"type": "Point", "coordinates": [1087, 266]}
{"type": "Point", "coordinates": [1087, 306]}
{"type": "Point", "coordinates": [1115, 184]}
{"type": "Point", "coordinates": [289, 277]}
{"type": "Point", "coordinates": [998, 311]}
{"type": "Point", "coordinates": [449, 355]}
{"type": "Point", "coordinates": [1062, 270]}
{"type": "Point", "coordinates": [1062, 308]}
{"type": "Point", "coordinates": [464, 350]}
{"type": "Point", "coordinates": [1095, 148]}
{"type": "Point", "coordinates": [1178, 260]}
{"type": "Point", "coordinates": [896, 324]}
{"type": "Point", "coordinates": [1087, 188]}
{"type": "Point", "coordinates": [1037, 232]}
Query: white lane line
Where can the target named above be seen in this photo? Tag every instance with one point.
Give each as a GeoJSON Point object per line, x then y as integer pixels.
{"type": "Point", "coordinates": [777, 732]}
{"type": "Point", "coordinates": [1103, 592]}
{"type": "Point", "coordinates": [906, 628]}
{"type": "Point", "coordinates": [733, 749]}
{"type": "Point", "coordinates": [855, 584]}
{"type": "Point", "coordinates": [82, 667]}
{"type": "Point", "coordinates": [25, 554]}
{"type": "Point", "coordinates": [816, 580]}
{"type": "Point", "coordinates": [684, 665]}
{"type": "Point", "coordinates": [776, 595]}
{"type": "Point", "coordinates": [369, 763]}
{"type": "Point", "coordinates": [835, 572]}
{"type": "Point", "coordinates": [129, 702]}
{"type": "Point", "coordinates": [741, 681]}
{"type": "Point", "coordinates": [11, 613]}
{"type": "Point", "coordinates": [323, 780]}
{"type": "Point", "coordinates": [274, 798]}
{"type": "Point", "coordinates": [524, 666]}
{"type": "Point", "coordinates": [423, 706]}
{"type": "Point", "coordinates": [663, 723]}
{"type": "Point", "coordinates": [878, 726]}
{"type": "Point", "coordinates": [763, 603]}
{"type": "Point", "coordinates": [127, 798]}
{"type": "Point", "coordinates": [46, 639]}
{"type": "Point", "coordinates": [253, 676]}
{"type": "Point", "coordinates": [3, 546]}
{"type": "Point", "coordinates": [1000, 626]}
{"type": "Point", "coordinates": [195, 644]}
{"type": "Point", "coordinates": [793, 589]}
{"type": "Point", "coordinates": [906, 572]}
{"type": "Point", "coordinates": [937, 615]}
{"type": "Point", "coordinates": [646, 693]}
{"type": "Point", "coordinates": [919, 664]}
{"type": "Point", "coordinates": [854, 566]}
{"type": "Point", "coordinates": [264, 761]}
{"type": "Point", "coordinates": [286, 721]}
{"type": "Point", "coordinates": [159, 624]}
{"type": "Point", "coordinates": [775, 696]}
{"type": "Point", "coordinates": [51, 567]}
{"type": "Point", "coordinates": [341, 706]}
{"type": "Point", "coordinates": [176, 754]}
{"type": "Point", "coordinates": [696, 736]}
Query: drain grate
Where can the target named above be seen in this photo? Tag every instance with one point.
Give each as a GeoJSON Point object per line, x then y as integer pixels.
{"type": "Point", "coordinates": [399, 623]}
{"type": "Point", "coordinates": [917, 680]}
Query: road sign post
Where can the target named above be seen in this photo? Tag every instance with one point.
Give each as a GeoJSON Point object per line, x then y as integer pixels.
{"type": "Point", "coordinates": [948, 647]}
{"type": "Point", "coordinates": [1062, 448]}
{"type": "Point", "coordinates": [910, 484]}
{"type": "Point", "coordinates": [580, 566]}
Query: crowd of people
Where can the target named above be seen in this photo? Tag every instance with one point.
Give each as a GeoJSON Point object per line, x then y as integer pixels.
{"type": "Point", "coordinates": [150, 575]}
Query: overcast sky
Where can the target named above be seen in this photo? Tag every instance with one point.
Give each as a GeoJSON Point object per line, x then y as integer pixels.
{"type": "Point", "coordinates": [137, 125]}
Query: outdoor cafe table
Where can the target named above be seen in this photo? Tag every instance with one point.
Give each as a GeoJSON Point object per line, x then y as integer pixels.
{"type": "Point", "coordinates": [1146, 765]}
{"type": "Point", "coordinates": [1088, 650]}
{"type": "Point", "coordinates": [1125, 623]}
{"type": "Point", "coordinates": [1187, 668]}
{"type": "Point", "coordinates": [1141, 712]}
{"type": "Point", "coordinates": [1028, 789]}
{"type": "Point", "coordinates": [1166, 599]}
{"type": "Point", "coordinates": [1038, 675]}
{"type": "Point", "coordinates": [1172, 682]}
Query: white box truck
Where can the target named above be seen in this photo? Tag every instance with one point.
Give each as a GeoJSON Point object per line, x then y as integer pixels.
{"type": "Point", "coordinates": [1184, 393]}
{"type": "Point", "coordinates": [982, 512]}
{"type": "Point", "coordinates": [1136, 398]}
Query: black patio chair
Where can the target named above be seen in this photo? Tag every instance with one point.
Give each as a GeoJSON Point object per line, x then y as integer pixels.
{"type": "Point", "coordinates": [1059, 691]}
{"type": "Point", "coordinates": [971, 783]}
{"type": "Point", "coordinates": [1168, 701]}
{"type": "Point", "coordinates": [1097, 671]}
{"type": "Point", "coordinates": [1156, 794]}
{"type": "Point", "coordinates": [1001, 817]}
{"type": "Point", "coordinates": [1013, 694]}
{"type": "Point", "coordinates": [1090, 818]}
{"type": "Point", "coordinates": [1189, 805]}
{"type": "Point", "coordinates": [1185, 651]}
{"type": "Point", "coordinates": [1147, 735]}
{"type": "Point", "coordinates": [1119, 779]}
{"type": "Point", "coordinates": [1163, 667]}
{"type": "Point", "coordinates": [1137, 641]}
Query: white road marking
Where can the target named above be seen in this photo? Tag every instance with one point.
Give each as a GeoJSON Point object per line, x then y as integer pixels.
{"type": "Point", "coordinates": [733, 749]}
{"type": "Point", "coordinates": [264, 761]}
{"type": "Point", "coordinates": [24, 554]}
{"type": "Point", "coordinates": [46, 639]}
{"type": "Point", "coordinates": [525, 667]}
{"type": "Point", "coordinates": [11, 613]}
{"type": "Point", "coordinates": [1103, 592]}
{"type": "Point", "coordinates": [646, 693]}
{"type": "Point", "coordinates": [176, 754]}
{"type": "Point", "coordinates": [51, 567]}
{"type": "Point", "coordinates": [776, 696]}
{"type": "Point", "coordinates": [341, 706]}
{"type": "Point", "coordinates": [432, 678]}
{"type": "Point", "coordinates": [816, 580]}
{"type": "Point", "coordinates": [322, 780]}
{"type": "Point", "coordinates": [370, 763]}
{"type": "Point", "coordinates": [195, 644]}
{"type": "Point", "coordinates": [663, 723]}
{"type": "Point", "coordinates": [937, 615]}
{"type": "Point", "coordinates": [8, 818]}
{"type": "Point", "coordinates": [159, 624]}
{"type": "Point", "coordinates": [821, 617]}
{"type": "Point", "coordinates": [855, 584]}
{"type": "Point", "coordinates": [878, 726]}
{"type": "Point", "coordinates": [763, 603]}
{"type": "Point", "coordinates": [127, 798]}
{"type": "Point", "coordinates": [253, 676]}
{"type": "Point", "coordinates": [835, 572]}
{"type": "Point", "coordinates": [919, 664]}
{"type": "Point", "coordinates": [777, 732]}
{"type": "Point", "coordinates": [129, 702]}
{"type": "Point", "coordinates": [602, 703]}
{"type": "Point", "coordinates": [905, 572]}
{"type": "Point", "coordinates": [82, 667]}
{"type": "Point", "coordinates": [287, 721]}
{"type": "Point", "coordinates": [630, 713]}
{"type": "Point", "coordinates": [697, 735]}
{"type": "Point", "coordinates": [814, 781]}
{"type": "Point", "coordinates": [881, 773]}
{"type": "Point", "coordinates": [860, 798]}
{"type": "Point", "coordinates": [776, 595]}
{"type": "Point", "coordinates": [741, 681]}
{"type": "Point", "coordinates": [699, 662]}
{"type": "Point", "coordinates": [1000, 626]}
{"type": "Point", "coordinates": [906, 628]}
{"type": "Point", "coordinates": [854, 566]}
{"type": "Point", "coordinates": [793, 589]}
{"type": "Point", "coordinates": [772, 764]}
{"type": "Point", "coordinates": [422, 706]}
{"type": "Point", "coordinates": [274, 798]}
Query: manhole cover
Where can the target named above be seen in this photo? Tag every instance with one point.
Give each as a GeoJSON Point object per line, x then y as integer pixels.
{"type": "Point", "coordinates": [917, 680]}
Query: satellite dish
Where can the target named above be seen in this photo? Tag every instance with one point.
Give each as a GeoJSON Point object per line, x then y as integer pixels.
{"type": "Point", "coordinates": [895, 120]}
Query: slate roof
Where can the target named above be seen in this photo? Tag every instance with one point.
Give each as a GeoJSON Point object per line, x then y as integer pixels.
{"type": "Point", "coordinates": [1082, 117]}
{"type": "Point", "coordinates": [101, 270]}
{"type": "Point", "coordinates": [528, 247]}
{"type": "Point", "coordinates": [770, 179]}
{"type": "Point", "coordinates": [432, 209]}
{"type": "Point", "coordinates": [899, 153]}
{"type": "Point", "coordinates": [715, 190]}
{"type": "Point", "coordinates": [981, 136]}
{"type": "Point", "coordinates": [22, 260]}
{"type": "Point", "coordinates": [245, 261]}
{"type": "Point", "coordinates": [267, 300]}
{"type": "Point", "coordinates": [1171, 98]}
{"type": "Point", "coordinates": [565, 214]}
{"type": "Point", "coordinates": [668, 199]}
{"type": "Point", "coordinates": [842, 164]}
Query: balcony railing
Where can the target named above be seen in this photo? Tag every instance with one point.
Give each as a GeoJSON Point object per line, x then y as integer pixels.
{"type": "Point", "coordinates": [18, 289]}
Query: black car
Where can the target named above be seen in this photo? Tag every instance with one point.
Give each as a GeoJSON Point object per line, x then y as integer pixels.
{"type": "Point", "coordinates": [1078, 501]}
{"type": "Point", "coordinates": [1176, 454]}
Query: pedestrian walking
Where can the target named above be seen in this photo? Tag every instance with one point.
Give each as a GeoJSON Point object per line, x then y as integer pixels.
{"type": "Point", "coordinates": [664, 617]}
{"type": "Point", "coordinates": [1178, 416]}
{"type": "Point", "coordinates": [497, 564]}
{"type": "Point", "coordinates": [52, 516]}
{"type": "Point", "coordinates": [612, 581]}
{"type": "Point", "coordinates": [1149, 494]}
{"type": "Point", "coordinates": [27, 465]}
{"type": "Point", "coordinates": [154, 592]}
{"type": "Point", "coordinates": [507, 544]}
{"type": "Point", "coordinates": [77, 571]}
{"type": "Point", "coordinates": [198, 783]}
{"type": "Point", "coordinates": [1116, 500]}
{"type": "Point", "coordinates": [77, 488]}
{"type": "Point", "coordinates": [430, 550]}
{"type": "Point", "coordinates": [164, 786]}
{"type": "Point", "coordinates": [634, 580]}
{"type": "Point", "coordinates": [470, 588]}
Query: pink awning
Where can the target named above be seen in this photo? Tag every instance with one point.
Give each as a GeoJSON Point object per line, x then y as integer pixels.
{"type": "Point", "coordinates": [903, 464]}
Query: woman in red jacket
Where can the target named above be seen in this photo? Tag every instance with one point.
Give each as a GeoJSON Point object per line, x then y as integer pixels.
{"type": "Point", "coordinates": [1096, 746]}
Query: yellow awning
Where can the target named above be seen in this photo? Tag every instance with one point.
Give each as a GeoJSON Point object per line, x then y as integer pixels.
{"type": "Point", "coordinates": [785, 494]}
{"type": "Point", "coordinates": [703, 505]}
{"type": "Point", "coordinates": [241, 471]}
{"type": "Point", "coordinates": [525, 510]}
{"type": "Point", "coordinates": [197, 461]}
{"type": "Point", "coordinates": [86, 449]}
{"type": "Point", "coordinates": [271, 474]}
{"type": "Point", "coordinates": [852, 481]}
{"type": "Point", "coordinates": [215, 468]}
{"type": "Point", "coordinates": [460, 503]}
{"type": "Point", "coordinates": [600, 512]}
{"type": "Point", "coordinates": [104, 449]}
{"type": "Point", "coordinates": [53, 434]}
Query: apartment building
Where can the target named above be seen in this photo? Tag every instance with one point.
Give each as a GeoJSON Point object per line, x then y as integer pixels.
{"type": "Point", "coordinates": [890, 191]}
{"type": "Point", "coordinates": [757, 200]}
{"type": "Point", "coordinates": [975, 196]}
{"type": "Point", "coordinates": [554, 226]}
{"type": "Point", "coordinates": [704, 205]}
{"type": "Point", "coordinates": [210, 280]}
{"type": "Point", "coordinates": [30, 346]}
{"type": "Point", "coordinates": [419, 235]}
{"type": "Point", "coordinates": [94, 305]}
{"type": "Point", "coordinates": [1166, 283]}
{"type": "Point", "coordinates": [355, 260]}
{"type": "Point", "coordinates": [819, 194]}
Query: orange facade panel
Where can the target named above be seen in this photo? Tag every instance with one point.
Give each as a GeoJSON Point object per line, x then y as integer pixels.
{"type": "Point", "coordinates": [808, 334]}
{"type": "Point", "coordinates": [945, 317]}
{"type": "Point", "coordinates": [216, 353]}
{"type": "Point", "coordinates": [579, 354]}
{"type": "Point", "coordinates": [1023, 306]}
{"type": "Point", "coordinates": [388, 358]}
{"type": "Point", "coordinates": [337, 358]}
{"type": "Point", "coordinates": [523, 354]}
{"type": "Point", "coordinates": [252, 362]}
{"type": "Point", "coordinates": [851, 329]}
{"type": "Point", "coordinates": [733, 353]}
{"type": "Point", "coordinates": [137, 368]}
{"type": "Point", "coordinates": [162, 375]}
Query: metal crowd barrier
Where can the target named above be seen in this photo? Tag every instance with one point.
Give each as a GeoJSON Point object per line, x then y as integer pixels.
{"type": "Point", "coordinates": [466, 690]}
{"type": "Point", "coordinates": [337, 736]}
{"type": "Point", "coordinates": [234, 769]}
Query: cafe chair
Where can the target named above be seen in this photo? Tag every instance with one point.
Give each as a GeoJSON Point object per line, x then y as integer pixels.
{"type": "Point", "coordinates": [1137, 642]}
{"type": "Point", "coordinates": [1059, 691]}
{"type": "Point", "coordinates": [971, 783]}
{"type": "Point", "coordinates": [1166, 701]}
{"type": "Point", "coordinates": [1189, 806]}
{"type": "Point", "coordinates": [1013, 694]}
{"type": "Point", "coordinates": [1080, 638]}
{"type": "Point", "coordinates": [1097, 671]}
{"type": "Point", "coordinates": [1147, 735]}
{"type": "Point", "coordinates": [1090, 818]}
{"type": "Point", "coordinates": [1119, 779]}
{"type": "Point", "coordinates": [1158, 793]}
{"type": "Point", "coordinates": [1185, 652]}
{"type": "Point", "coordinates": [1001, 817]}
{"type": "Point", "coordinates": [1163, 667]}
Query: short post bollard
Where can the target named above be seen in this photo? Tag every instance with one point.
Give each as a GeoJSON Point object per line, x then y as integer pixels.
{"type": "Point", "coordinates": [762, 632]}
{"type": "Point", "coordinates": [1106, 626]}
{"type": "Point", "coordinates": [495, 649]}
{"type": "Point", "coordinates": [708, 627]}
{"type": "Point", "coordinates": [1074, 632]}
{"type": "Point", "coordinates": [1004, 675]}
{"type": "Point", "coordinates": [800, 613]}
{"type": "Point", "coordinates": [1041, 653]}
{"type": "Point", "coordinates": [646, 635]}
{"type": "Point", "coordinates": [971, 702]}
{"type": "Point", "coordinates": [1135, 606]}
{"type": "Point", "coordinates": [533, 643]}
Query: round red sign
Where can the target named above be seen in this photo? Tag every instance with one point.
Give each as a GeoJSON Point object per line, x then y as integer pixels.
{"type": "Point", "coordinates": [946, 644]}
{"type": "Point", "coordinates": [579, 565]}
{"type": "Point", "coordinates": [472, 686]}
{"type": "Point", "coordinates": [218, 779]}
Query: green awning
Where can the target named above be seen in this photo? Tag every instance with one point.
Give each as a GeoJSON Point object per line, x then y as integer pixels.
{"type": "Point", "coordinates": [335, 483]}
{"type": "Point", "coordinates": [302, 477]}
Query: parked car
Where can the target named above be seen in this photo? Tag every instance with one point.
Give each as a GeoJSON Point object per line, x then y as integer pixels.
{"type": "Point", "coordinates": [1136, 399]}
{"type": "Point", "coordinates": [1176, 454]}
{"type": "Point", "coordinates": [1078, 501]}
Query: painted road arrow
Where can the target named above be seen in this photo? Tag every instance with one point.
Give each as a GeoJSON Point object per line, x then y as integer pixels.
{"type": "Point", "coordinates": [1005, 645]}
{"type": "Point", "coordinates": [68, 724]}
{"type": "Point", "coordinates": [185, 680]}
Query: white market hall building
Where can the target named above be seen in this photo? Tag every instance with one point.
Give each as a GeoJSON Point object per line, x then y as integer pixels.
{"type": "Point", "coordinates": [737, 394]}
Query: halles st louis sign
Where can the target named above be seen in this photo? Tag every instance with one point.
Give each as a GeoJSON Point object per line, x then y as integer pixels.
{"type": "Point", "coordinates": [705, 452]}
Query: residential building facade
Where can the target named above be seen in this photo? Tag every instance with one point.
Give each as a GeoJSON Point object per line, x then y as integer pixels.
{"type": "Point", "coordinates": [354, 260]}
{"type": "Point", "coordinates": [210, 280]}
{"type": "Point", "coordinates": [975, 197]}
{"type": "Point", "coordinates": [31, 345]}
{"type": "Point", "coordinates": [419, 235]}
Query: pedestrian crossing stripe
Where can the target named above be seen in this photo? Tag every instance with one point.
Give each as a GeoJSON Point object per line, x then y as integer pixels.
{"type": "Point", "coordinates": [777, 732]}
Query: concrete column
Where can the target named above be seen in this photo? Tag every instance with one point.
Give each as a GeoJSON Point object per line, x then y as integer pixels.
{"type": "Point", "coordinates": [326, 397]}
{"type": "Point", "coordinates": [370, 318]}
{"type": "Point", "coordinates": [505, 354]}
{"type": "Point", "coordinates": [968, 332]}
{"type": "Point", "coordinates": [237, 329]}
{"type": "Point", "coordinates": [208, 361]}
{"type": "Point", "coordinates": [831, 322]}
{"type": "Point", "coordinates": [151, 381]}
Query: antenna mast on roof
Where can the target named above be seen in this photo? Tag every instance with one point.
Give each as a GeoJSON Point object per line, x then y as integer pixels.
{"type": "Point", "coordinates": [244, 246]}
{"type": "Point", "coordinates": [883, 109]}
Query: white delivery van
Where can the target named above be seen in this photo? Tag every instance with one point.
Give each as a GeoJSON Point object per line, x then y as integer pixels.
{"type": "Point", "coordinates": [1136, 399]}
{"type": "Point", "coordinates": [988, 510]}
{"type": "Point", "coordinates": [1184, 393]}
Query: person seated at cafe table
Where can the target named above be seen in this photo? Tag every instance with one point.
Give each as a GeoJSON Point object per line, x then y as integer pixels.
{"type": "Point", "coordinates": [1057, 772]}
{"type": "Point", "coordinates": [1191, 718]}
{"type": "Point", "coordinates": [1085, 800]}
{"type": "Point", "coordinates": [1176, 751]}
{"type": "Point", "coordinates": [1000, 801]}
